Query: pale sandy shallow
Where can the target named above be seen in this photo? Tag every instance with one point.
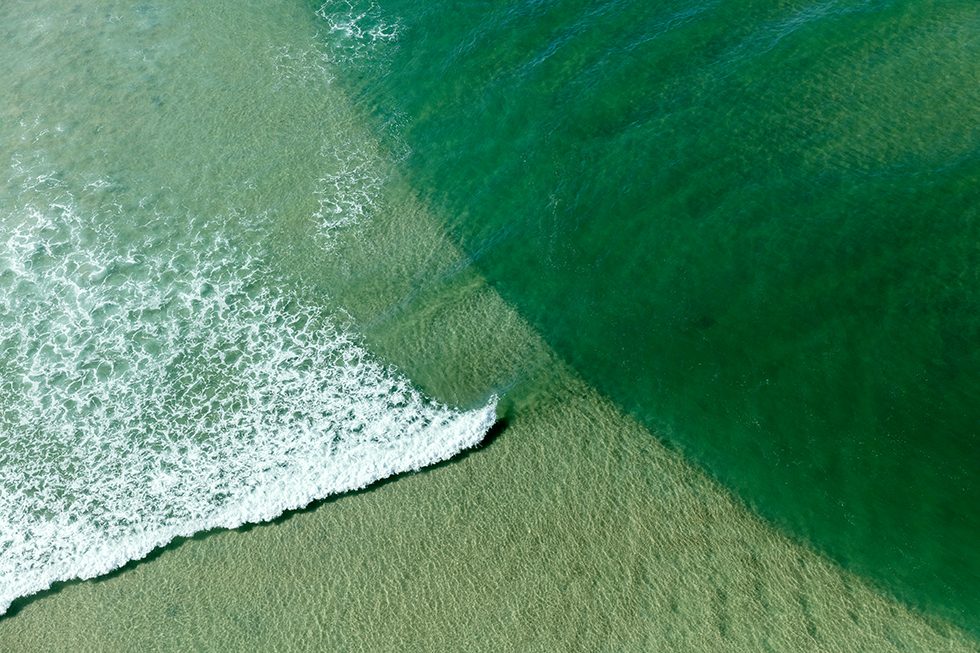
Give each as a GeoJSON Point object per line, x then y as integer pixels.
{"type": "Point", "coordinates": [573, 530]}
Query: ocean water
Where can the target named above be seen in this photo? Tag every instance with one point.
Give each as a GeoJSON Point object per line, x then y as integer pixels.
{"type": "Point", "coordinates": [752, 225]}
{"type": "Point", "coordinates": [245, 243]}
{"type": "Point", "coordinates": [160, 377]}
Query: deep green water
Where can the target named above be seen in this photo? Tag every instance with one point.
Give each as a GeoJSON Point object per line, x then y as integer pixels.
{"type": "Point", "coordinates": [753, 224]}
{"type": "Point", "coordinates": [256, 253]}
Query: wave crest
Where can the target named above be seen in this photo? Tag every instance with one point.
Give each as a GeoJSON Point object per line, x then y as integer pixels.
{"type": "Point", "coordinates": [153, 385]}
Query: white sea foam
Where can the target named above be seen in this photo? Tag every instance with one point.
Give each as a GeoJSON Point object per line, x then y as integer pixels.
{"type": "Point", "coordinates": [349, 34]}
{"type": "Point", "coordinates": [348, 193]}
{"type": "Point", "coordinates": [309, 65]}
{"type": "Point", "coordinates": [155, 383]}
{"type": "Point", "coordinates": [355, 30]}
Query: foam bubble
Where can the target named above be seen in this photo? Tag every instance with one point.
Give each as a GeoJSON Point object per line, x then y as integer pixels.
{"type": "Point", "coordinates": [357, 30]}
{"type": "Point", "coordinates": [348, 193]}
{"type": "Point", "coordinates": [155, 382]}
{"type": "Point", "coordinates": [309, 65]}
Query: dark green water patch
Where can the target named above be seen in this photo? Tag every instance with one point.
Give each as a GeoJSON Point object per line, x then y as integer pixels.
{"type": "Point", "coordinates": [754, 225]}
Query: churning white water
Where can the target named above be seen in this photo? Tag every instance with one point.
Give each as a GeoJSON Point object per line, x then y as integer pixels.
{"type": "Point", "coordinates": [154, 383]}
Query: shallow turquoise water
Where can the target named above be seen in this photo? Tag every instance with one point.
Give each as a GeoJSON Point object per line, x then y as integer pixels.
{"type": "Point", "coordinates": [754, 225]}
{"type": "Point", "coordinates": [160, 373]}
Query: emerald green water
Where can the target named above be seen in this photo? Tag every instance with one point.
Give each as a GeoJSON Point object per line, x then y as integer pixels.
{"type": "Point", "coordinates": [253, 254]}
{"type": "Point", "coordinates": [754, 225]}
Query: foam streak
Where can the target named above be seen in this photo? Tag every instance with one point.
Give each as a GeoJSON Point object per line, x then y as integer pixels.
{"type": "Point", "coordinates": [155, 387]}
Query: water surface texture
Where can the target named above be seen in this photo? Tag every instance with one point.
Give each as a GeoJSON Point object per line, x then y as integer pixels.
{"type": "Point", "coordinates": [253, 253]}
{"type": "Point", "coordinates": [159, 375]}
{"type": "Point", "coordinates": [754, 225]}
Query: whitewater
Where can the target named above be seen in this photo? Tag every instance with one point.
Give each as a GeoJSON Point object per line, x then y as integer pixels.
{"type": "Point", "coordinates": [158, 385]}
{"type": "Point", "coordinates": [160, 374]}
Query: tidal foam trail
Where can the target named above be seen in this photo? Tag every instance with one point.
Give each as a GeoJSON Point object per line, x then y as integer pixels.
{"type": "Point", "coordinates": [155, 382]}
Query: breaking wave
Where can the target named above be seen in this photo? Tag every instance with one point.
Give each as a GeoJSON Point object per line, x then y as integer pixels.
{"type": "Point", "coordinates": [155, 382]}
